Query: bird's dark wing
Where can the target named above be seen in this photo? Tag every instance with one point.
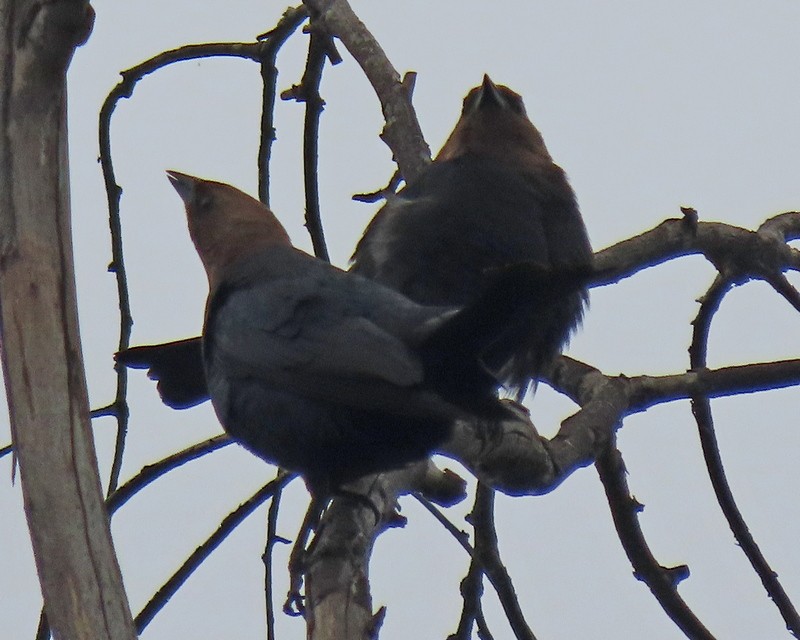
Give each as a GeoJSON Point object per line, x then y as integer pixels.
{"type": "Point", "coordinates": [314, 334]}
{"type": "Point", "coordinates": [178, 368]}
{"type": "Point", "coordinates": [467, 353]}
{"type": "Point", "coordinates": [439, 240]}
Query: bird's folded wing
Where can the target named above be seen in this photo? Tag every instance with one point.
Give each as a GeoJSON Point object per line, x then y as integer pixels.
{"type": "Point", "coordinates": [299, 343]}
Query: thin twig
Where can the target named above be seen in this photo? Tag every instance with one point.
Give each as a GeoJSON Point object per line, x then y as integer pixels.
{"type": "Point", "coordinates": [119, 407]}
{"type": "Point", "coordinates": [471, 593]}
{"type": "Point", "coordinates": [125, 89]}
{"type": "Point", "coordinates": [662, 581]}
{"type": "Point", "coordinates": [308, 92]}
{"type": "Point", "coordinates": [461, 536]}
{"type": "Point", "coordinates": [380, 194]}
{"type": "Point", "coordinates": [152, 472]}
{"type": "Point", "coordinates": [198, 556]}
{"type": "Point", "coordinates": [275, 39]}
{"type": "Point", "coordinates": [701, 408]}
{"type": "Point", "coordinates": [6, 450]}
{"type": "Point", "coordinates": [272, 539]}
{"type": "Point", "coordinates": [402, 132]}
{"type": "Point", "coordinates": [488, 552]}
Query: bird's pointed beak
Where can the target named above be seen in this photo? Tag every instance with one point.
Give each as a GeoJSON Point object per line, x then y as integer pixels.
{"type": "Point", "coordinates": [184, 184]}
{"type": "Point", "coordinates": [490, 95]}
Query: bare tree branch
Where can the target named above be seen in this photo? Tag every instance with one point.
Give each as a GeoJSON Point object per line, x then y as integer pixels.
{"type": "Point", "coordinates": [272, 539]}
{"type": "Point", "coordinates": [153, 472]}
{"type": "Point", "coordinates": [402, 132]}
{"type": "Point", "coordinates": [701, 408]}
{"type": "Point", "coordinates": [320, 48]}
{"type": "Point", "coordinates": [488, 554]}
{"type": "Point", "coordinates": [338, 602]}
{"type": "Point", "coordinates": [275, 39]}
{"type": "Point", "coordinates": [231, 521]}
{"type": "Point", "coordinates": [731, 249]}
{"type": "Point", "coordinates": [130, 78]}
{"type": "Point", "coordinates": [662, 581]}
{"type": "Point", "coordinates": [472, 610]}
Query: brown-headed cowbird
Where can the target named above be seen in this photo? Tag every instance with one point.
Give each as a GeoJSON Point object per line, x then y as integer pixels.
{"type": "Point", "coordinates": [492, 197]}
{"type": "Point", "coordinates": [330, 374]}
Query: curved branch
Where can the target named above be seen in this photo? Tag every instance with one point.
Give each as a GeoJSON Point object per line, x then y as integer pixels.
{"type": "Point", "coordinates": [252, 51]}
{"type": "Point", "coordinates": [701, 408]}
{"type": "Point", "coordinates": [662, 581]}
{"type": "Point", "coordinates": [152, 472]}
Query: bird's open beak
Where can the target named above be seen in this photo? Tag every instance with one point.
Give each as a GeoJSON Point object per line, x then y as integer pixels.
{"type": "Point", "coordinates": [184, 184]}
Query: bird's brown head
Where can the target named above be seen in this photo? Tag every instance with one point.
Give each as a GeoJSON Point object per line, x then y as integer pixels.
{"type": "Point", "coordinates": [494, 123]}
{"type": "Point", "coordinates": [225, 224]}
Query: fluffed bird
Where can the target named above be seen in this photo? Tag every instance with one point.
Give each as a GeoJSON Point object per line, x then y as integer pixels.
{"type": "Point", "coordinates": [493, 196]}
{"type": "Point", "coordinates": [330, 374]}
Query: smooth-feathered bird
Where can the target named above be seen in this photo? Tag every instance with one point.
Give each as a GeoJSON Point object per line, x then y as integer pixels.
{"type": "Point", "coordinates": [327, 373]}
{"type": "Point", "coordinates": [492, 197]}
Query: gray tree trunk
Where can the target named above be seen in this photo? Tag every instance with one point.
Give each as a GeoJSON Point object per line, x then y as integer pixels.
{"type": "Point", "coordinates": [41, 354]}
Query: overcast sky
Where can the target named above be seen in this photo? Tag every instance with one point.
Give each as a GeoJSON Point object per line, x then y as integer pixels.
{"type": "Point", "coordinates": [647, 106]}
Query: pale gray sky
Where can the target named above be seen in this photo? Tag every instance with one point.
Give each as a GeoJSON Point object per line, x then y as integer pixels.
{"type": "Point", "coordinates": [648, 106]}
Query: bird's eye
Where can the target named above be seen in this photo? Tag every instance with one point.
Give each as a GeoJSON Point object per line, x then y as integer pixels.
{"type": "Point", "coordinates": [204, 201]}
